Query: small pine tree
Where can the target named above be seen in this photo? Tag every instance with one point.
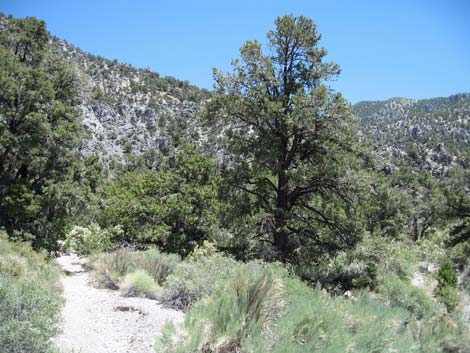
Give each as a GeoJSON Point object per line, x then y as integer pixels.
{"type": "Point", "coordinates": [447, 282]}
{"type": "Point", "coordinates": [447, 275]}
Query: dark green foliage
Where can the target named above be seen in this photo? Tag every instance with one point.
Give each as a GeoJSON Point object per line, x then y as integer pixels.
{"type": "Point", "coordinates": [447, 281]}
{"type": "Point", "coordinates": [365, 266]}
{"type": "Point", "coordinates": [174, 207]}
{"type": "Point", "coordinates": [368, 279]}
{"type": "Point", "coordinates": [291, 141]}
{"type": "Point", "coordinates": [42, 181]}
{"type": "Point", "coordinates": [458, 211]}
{"type": "Point", "coordinates": [447, 275]}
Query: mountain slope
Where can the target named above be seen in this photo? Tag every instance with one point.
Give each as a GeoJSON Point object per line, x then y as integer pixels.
{"type": "Point", "coordinates": [431, 134]}
{"type": "Point", "coordinates": [128, 110]}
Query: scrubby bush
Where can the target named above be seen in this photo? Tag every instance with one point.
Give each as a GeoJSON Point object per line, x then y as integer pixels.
{"type": "Point", "coordinates": [361, 267]}
{"type": "Point", "coordinates": [30, 299]}
{"type": "Point", "coordinates": [460, 253]}
{"type": "Point", "coordinates": [195, 278]}
{"type": "Point", "coordinates": [267, 311]}
{"type": "Point", "coordinates": [315, 322]}
{"type": "Point", "coordinates": [399, 293]}
{"type": "Point", "coordinates": [447, 275]}
{"type": "Point", "coordinates": [140, 284]}
{"type": "Point", "coordinates": [448, 296]}
{"type": "Point", "coordinates": [241, 309]}
{"type": "Point", "coordinates": [108, 270]}
{"type": "Point", "coordinates": [159, 266]}
{"type": "Point", "coordinates": [440, 333]}
{"type": "Point", "coordinates": [341, 273]}
{"type": "Point", "coordinates": [91, 240]}
{"type": "Point", "coordinates": [103, 277]}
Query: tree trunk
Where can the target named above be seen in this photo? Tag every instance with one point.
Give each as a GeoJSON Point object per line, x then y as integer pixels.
{"type": "Point", "coordinates": [281, 241]}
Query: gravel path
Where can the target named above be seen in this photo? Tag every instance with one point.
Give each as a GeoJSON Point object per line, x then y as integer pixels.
{"type": "Point", "coordinates": [102, 321]}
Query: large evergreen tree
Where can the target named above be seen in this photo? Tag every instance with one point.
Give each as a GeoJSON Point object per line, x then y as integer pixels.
{"type": "Point", "coordinates": [39, 132]}
{"type": "Point", "coordinates": [289, 138]}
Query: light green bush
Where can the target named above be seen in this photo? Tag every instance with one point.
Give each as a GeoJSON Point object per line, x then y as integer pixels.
{"type": "Point", "coordinates": [361, 267]}
{"type": "Point", "coordinates": [268, 311]}
{"type": "Point", "coordinates": [140, 284]}
{"type": "Point", "coordinates": [230, 318]}
{"type": "Point", "coordinates": [90, 240]}
{"type": "Point", "coordinates": [438, 333]}
{"type": "Point", "coordinates": [110, 268]}
{"type": "Point", "coordinates": [30, 300]}
{"type": "Point", "coordinates": [448, 296]}
{"type": "Point", "coordinates": [195, 278]}
{"type": "Point", "coordinates": [157, 265]}
{"type": "Point", "coordinates": [399, 293]}
{"type": "Point", "coordinates": [241, 309]}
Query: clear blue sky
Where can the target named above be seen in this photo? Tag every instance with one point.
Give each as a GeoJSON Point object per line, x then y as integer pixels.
{"type": "Point", "coordinates": [407, 48]}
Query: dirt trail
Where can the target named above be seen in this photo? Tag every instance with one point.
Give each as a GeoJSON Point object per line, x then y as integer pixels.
{"type": "Point", "coordinates": [102, 321]}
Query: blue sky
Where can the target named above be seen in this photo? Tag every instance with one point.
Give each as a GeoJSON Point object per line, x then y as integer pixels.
{"type": "Point", "coordinates": [407, 48]}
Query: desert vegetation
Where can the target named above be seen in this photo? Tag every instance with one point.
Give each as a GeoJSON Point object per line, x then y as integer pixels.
{"type": "Point", "coordinates": [274, 215]}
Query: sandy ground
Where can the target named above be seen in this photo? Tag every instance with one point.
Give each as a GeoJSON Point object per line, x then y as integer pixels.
{"type": "Point", "coordinates": [103, 321]}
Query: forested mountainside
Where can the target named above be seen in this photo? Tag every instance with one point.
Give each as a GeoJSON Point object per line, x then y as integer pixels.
{"type": "Point", "coordinates": [313, 233]}
{"type": "Point", "coordinates": [130, 111]}
{"type": "Point", "coordinates": [432, 134]}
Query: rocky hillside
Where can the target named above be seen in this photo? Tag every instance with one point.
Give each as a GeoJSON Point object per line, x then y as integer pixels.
{"type": "Point", "coordinates": [128, 110]}
{"type": "Point", "coordinates": [433, 134]}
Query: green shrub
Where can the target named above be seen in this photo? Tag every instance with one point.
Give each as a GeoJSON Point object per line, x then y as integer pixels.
{"type": "Point", "coordinates": [102, 277]}
{"type": "Point", "coordinates": [230, 317]}
{"type": "Point", "coordinates": [195, 278]}
{"type": "Point", "coordinates": [241, 309]}
{"type": "Point", "coordinates": [91, 240]}
{"type": "Point", "coordinates": [399, 293]}
{"type": "Point", "coordinates": [448, 296]}
{"type": "Point", "coordinates": [361, 267]}
{"type": "Point", "coordinates": [460, 254]}
{"type": "Point", "coordinates": [109, 269]}
{"type": "Point", "coordinates": [400, 260]}
{"type": "Point", "coordinates": [13, 265]}
{"type": "Point", "coordinates": [159, 266]}
{"type": "Point", "coordinates": [30, 300]}
{"type": "Point", "coordinates": [447, 282]}
{"type": "Point", "coordinates": [140, 284]}
{"type": "Point", "coordinates": [268, 311]}
{"type": "Point", "coordinates": [440, 333]}
{"type": "Point", "coordinates": [447, 275]}
{"type": "Point", "coordinates": [342, 273]}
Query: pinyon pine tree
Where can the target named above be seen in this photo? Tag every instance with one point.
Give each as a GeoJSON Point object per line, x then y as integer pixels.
{"type": "Point", "coordinates": [290, 139]}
